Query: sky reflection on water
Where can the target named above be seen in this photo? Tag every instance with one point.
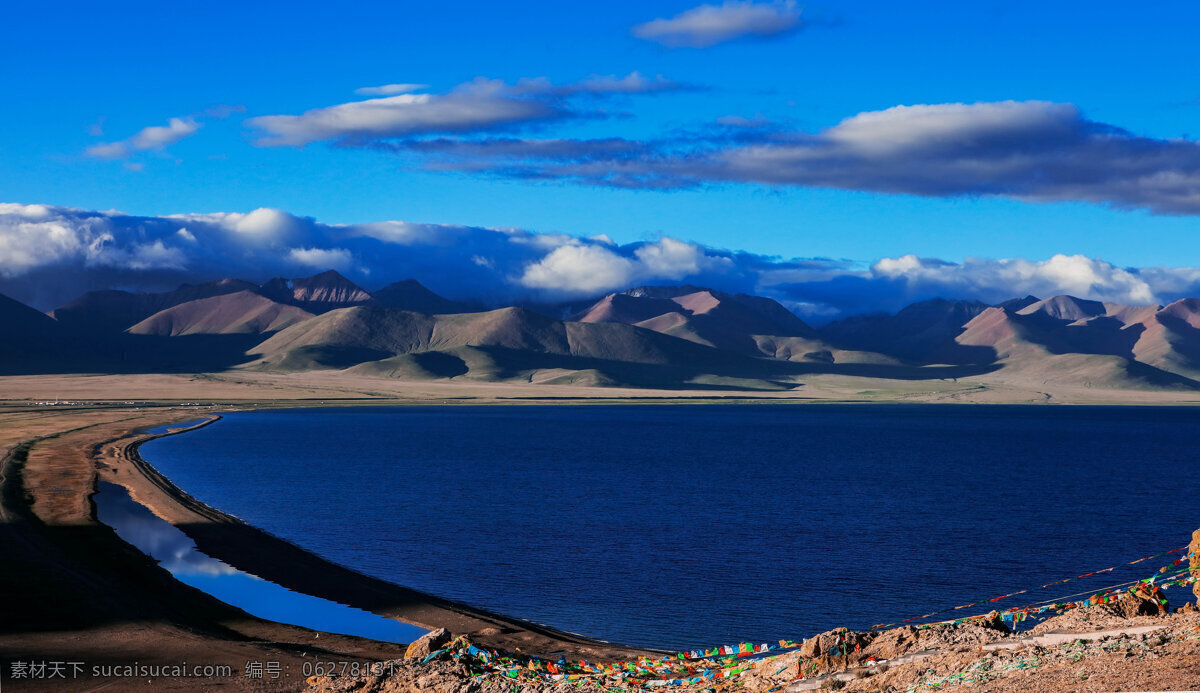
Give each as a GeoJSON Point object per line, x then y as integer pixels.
{"type": "Point", "coordinates": [174, 551]}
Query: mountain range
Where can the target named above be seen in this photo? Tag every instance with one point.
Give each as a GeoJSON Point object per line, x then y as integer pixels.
{"type": "Point", "coordinates": [650, 336]}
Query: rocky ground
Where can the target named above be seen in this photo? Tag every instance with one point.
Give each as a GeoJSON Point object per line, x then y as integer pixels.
{"type": "Point", "coordinates": [1099, 648]}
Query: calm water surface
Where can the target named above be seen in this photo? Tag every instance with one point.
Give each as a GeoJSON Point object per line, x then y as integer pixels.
{"type": "Point", "coordinates": [174, 551]}
{"type": "Point", "coordinates": [683, 526]}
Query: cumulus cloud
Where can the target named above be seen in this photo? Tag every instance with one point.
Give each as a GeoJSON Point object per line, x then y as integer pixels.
{"type": "Point", "coordinates": [50, 255]}
{"type": "Point", "coordinates": [482, 105]}
{"type": "Point", "coordinates": [1027, 150]}
{"type": "Point", "coordinates": [155, 137]}
{"type": "Point", "coordinates": [586, 267]}
{"type": "Point", "coordinates": [996, 280]}
{"type": "Point", "coordinates": [581, 269]}
{"type": "Point", "coordinates": [35, 236]}
{"type": "Point", "coordinates": [322, 258]}
{"type": "Point", "coordinates": [709, 25]}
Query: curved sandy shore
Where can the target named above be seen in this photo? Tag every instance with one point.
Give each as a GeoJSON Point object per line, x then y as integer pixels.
{"type": "Point", "coordinates": [259, 553]}
{"type": "Point", "coordinates": [75, 592]}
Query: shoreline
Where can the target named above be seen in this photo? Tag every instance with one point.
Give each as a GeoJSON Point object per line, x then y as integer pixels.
{"type": "Point", "coordinates": [73, 591]}
{"type": "Point", "coordinates": [229, 539]}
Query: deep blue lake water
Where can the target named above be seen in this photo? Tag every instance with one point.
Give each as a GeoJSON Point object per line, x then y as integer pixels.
{"type": "Point", "coordinates": [683, 526]}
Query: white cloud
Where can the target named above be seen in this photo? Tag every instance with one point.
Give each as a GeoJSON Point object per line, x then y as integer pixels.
{"type": "Point", "coordinates": [709, 25]}
{"type": "Point", "coordinates": [1076, 275]}
{"type": "Point", "coordinates": [390, 89]}
{"type": "Point", "coordinates": [264, 223]}
{"type": "Point", "coordinates": [952, 125]}
{"type": "Point", "coordinates": [674, 259]}
{"type": "Point", "coordinates": [479, 106]}
{"type": "Point", "coordinates": [103, 252]}
{"type": "Point", "coordinates": [322, 258]}
{"type": "Point", "coordinates": [49, 255]}
{"type": "Point", "coordinates": [159, 136]}
{"type": "Point", "coordinates": [155, 137]}
{"type": "Point", "coordinates": [579, 270]}
{"type": "Point", "coordinates": [30, 242]}
{"type": "Point", "coordinates": [408, 233]}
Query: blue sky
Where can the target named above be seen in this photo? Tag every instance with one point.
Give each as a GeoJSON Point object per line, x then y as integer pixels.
{"type": "Point", "coordinates": [81, 77]}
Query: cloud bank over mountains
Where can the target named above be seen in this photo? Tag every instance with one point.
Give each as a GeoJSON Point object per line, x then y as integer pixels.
{"type": "Point", "coordinates": [49, 255]}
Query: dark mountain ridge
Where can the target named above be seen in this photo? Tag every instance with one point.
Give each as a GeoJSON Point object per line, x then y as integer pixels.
{"type": "Point", "coordinates": [410, 294]}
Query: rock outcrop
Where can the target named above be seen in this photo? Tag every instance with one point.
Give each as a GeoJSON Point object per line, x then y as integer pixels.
{"type": "Point", "coordinates": [427, 644]}
{"type": "Point", "coordinates": [1143, 602]}
{"type": "Point", "coordinates": [1194, 562]}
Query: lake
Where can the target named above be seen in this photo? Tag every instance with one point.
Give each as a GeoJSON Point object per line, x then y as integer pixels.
{"type": "Point", "coordinates": [679, 526]}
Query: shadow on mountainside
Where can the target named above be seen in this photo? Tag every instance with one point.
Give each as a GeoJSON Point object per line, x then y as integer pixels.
{"type": "Point", "coordinates": [729, 371]}
{"type": "Point", "coordinates": [132, 354]}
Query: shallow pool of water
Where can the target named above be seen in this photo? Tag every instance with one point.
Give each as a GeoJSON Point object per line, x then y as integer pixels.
{"type": "Point", "coordinates": [174, 551]}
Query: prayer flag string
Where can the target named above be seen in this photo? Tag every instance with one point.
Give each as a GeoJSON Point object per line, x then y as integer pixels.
{"type": "Point", "coordinates": [728, 661]}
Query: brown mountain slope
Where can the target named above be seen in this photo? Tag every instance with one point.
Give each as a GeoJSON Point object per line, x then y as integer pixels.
{"type": "Point", "coordinates": [1030, 351]}
{"type": "Point", "coordinates": [318, 293]}
{"type": "Point", "coordinates": [244, 312]}
{"type": "Point", "coordinates": [392, 332]}
{"type": "Point", "coordinates": [628, 309]}
{"type": "Point", "coordinates": [732, 322]}
{"type": "Point", "coordinates": [1066, 308]}
{"type": "Point", "coordinates": [114, 311]}
{"type": "Point", "coordinates": [1170, 339]}
{"type": "Point", "coordinates": [510, 328]}
{"type": "Point", "coordinates": [376, 330]}
{"type": "Point", "coordinates": [718, 315]}
{"type": "Point", "coordinates": [509, 343]}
